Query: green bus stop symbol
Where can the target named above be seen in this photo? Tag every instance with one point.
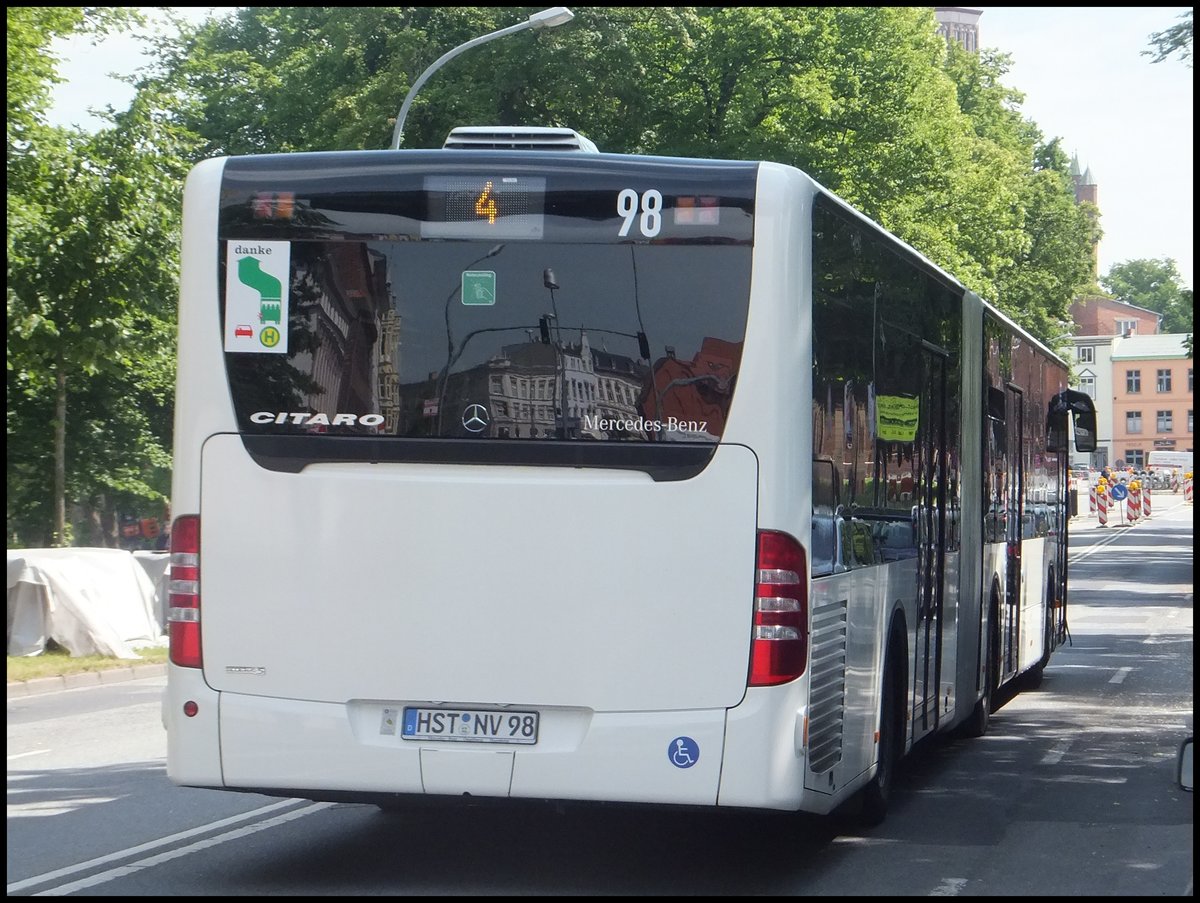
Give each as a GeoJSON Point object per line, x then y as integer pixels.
{"type": "Point", "coordinates": [478, 287]}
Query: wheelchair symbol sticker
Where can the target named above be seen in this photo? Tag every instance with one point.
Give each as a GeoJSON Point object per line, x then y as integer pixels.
{"type": "Point", "coordinates": [684, 752]}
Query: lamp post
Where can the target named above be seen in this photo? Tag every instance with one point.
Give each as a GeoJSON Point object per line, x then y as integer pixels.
{"type": "Point", "coordinates": [547, 18]}
{"type": "Point", "coordinates": [550, 281]}
{"type": "Point", "coordinates": [444, 378]}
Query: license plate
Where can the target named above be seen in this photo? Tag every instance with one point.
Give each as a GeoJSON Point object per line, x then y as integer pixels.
{"type": "Point", "coordinates": [470, 725]}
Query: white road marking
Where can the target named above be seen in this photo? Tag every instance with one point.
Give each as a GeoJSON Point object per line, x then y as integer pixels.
{"type": "Point", "coordinates": [142, 848]}
{"type": "Point", "coordinates": [1119, 677]}
{"type": "Point", "coordinates": [950, 887]}
{"type": "Point", "coordinates": [32, 752]}
{"type": "Point", "coordinates": [54, 807]}
{"type": "Point", "coordinates": [1055, 755]}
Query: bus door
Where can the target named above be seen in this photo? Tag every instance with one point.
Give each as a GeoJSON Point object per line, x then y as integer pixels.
{"type": "Point", "coordinates": [930, 515]}
{"type": "Point", "coordinates": [1014, 501]}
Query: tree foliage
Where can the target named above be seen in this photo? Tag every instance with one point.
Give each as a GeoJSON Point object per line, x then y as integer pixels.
{"type": "Point", "coordinates": [1176, 39]}
{"type": "Point", "coordinates": [1155, 284]}
{"type": "Point", "coordinates": [868, 100]}
{"type": "Point", "coordinates": [93, 230]}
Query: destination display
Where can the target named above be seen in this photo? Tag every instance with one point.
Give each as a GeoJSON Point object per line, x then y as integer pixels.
{"type": "Point", "coordinates": [494, 206]}
{"type": "Point", "coordinates": [494, 197]}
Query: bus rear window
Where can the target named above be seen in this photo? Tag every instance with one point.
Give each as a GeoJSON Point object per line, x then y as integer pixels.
{"type": "Point", "coordinates": [535, 332]}
{"type": "Point", "coordinates": [537, 341]}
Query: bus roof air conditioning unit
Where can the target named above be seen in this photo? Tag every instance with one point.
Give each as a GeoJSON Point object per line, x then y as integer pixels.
{"type": "Point", "coordinates": [495, 137]}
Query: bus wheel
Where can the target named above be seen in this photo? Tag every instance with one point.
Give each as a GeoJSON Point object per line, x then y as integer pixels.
{"type": "Point", "coordinates": [877, 794]}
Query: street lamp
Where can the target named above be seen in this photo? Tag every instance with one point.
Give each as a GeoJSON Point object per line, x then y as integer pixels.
{"type": "Point", "coordinates": [547, 18]}
{"type": "Point", "coordinates": [550, 281]}
{"type": "Point", "coordinates": [444, 377]}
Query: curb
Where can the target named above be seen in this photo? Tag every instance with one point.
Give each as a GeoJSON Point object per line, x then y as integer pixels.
{"type": "Point", "coordinates": [42, 685]}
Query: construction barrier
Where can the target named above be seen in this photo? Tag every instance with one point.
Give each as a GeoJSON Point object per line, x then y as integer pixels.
{"type": "Point", "coordinates": [1134, 504]}
{"type": "Point", "coordinates": [1146, 500]}
{"type": "Point", "coordinates": [1092, 499]}
{"type": "Point", "coordinates": [1187, 488]}
{"type": "Point", "coordinates": [1102, 502]}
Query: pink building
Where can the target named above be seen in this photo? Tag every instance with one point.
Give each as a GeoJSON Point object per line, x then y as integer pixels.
{"type": "Point", "coordinates": [1152, 397]}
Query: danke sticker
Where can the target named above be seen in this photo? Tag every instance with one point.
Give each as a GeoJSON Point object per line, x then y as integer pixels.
{"type": "Point", "coordinates": [257, 274]}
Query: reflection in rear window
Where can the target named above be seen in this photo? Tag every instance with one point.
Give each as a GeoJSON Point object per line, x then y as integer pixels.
{"type": "Point", "coordinates": [519, 340]}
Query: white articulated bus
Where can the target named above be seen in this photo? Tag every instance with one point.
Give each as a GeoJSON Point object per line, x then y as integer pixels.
{"type": "Point", "coordinates": [580, 476]}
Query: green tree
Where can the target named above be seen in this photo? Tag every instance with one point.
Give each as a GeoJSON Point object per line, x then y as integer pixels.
{"type": "Point", "coordinates": [90, 302]}
{"type": "Point", "coordinates": [1176, 39]}
{"type": "Point", "coordinates": [868, 100]}
{"type": "Point", "coordinates": [1045, 251]}
{"type": "Point", "coordinates": [1155, 284]}
{"type": "Point", "coordinates": [33, 68]}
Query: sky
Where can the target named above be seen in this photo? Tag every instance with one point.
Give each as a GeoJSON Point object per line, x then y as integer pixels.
{"type": "Point", "coordinates": [1082, 71]}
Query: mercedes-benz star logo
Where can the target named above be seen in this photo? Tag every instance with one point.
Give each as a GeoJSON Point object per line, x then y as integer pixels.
{"type": "Point", "coordinates": [475, 418]}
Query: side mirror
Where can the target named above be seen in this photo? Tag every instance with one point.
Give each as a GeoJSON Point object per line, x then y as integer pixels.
{"type": "Point", "coordinates": [1076, 408]}
{"type": "Point", "coordinates": [1184, 772]}
{"type": "Point", "coordinates": [1085, 431]}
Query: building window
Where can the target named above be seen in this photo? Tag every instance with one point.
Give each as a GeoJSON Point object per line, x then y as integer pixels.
{"type": "Point", "coordinates": [1189, 420]}
{"type": "Point", "coordinates": [1189, 380]}
{"type": "Point", "coordinates": [1126, 327]}
{"type": "Point", "coordinates": [1133, 421]}
{"type": "Point", "coordinates": [1135, 458]}
{"type": "Point", "coordinates": [1163, 422]}
{"type": "Point", "coordinates": [1087, 385]}
{"type": "Point", "coordinates": [1164, 380]}
{"type": "Point", "coordinates": [1087, 354]}
{"type": "Point", "coordinates": [1133, 381]}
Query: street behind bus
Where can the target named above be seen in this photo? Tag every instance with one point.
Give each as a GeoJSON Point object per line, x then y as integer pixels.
{"type": "Point", "coordinates": [1071, 792]}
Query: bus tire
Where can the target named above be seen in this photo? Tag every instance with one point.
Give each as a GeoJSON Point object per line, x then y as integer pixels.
{"type": "Point", "coordinates": [876, 795]}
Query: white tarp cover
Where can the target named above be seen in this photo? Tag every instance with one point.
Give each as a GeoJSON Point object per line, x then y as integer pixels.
{"type": "Point", "coordinates": [89, 601]}
{"type": "Point", "coordinates": [155, 564]}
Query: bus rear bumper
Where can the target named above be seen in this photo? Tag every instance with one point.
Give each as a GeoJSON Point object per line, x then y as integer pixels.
{"type": "Point", "coordinates": [349, 752]}
{"type": "Point", "coordinates": [357, 748]}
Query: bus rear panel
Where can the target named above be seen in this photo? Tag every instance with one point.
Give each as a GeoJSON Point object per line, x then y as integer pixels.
{"type": "Point", "coordinates": [452, 433]}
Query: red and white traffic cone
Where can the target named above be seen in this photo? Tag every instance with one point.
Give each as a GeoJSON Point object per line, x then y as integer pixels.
{"type": "Point", "coordinates": [1092, 499]}
{"type": "Point", "coordinates": [1102, 505]}
{"type": "Point", "coordinates": [1146, 501]}
{"type": "Point", "coordinates": [1134, 502]}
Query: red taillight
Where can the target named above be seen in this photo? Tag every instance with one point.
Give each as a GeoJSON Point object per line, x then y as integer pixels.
{"type": "Point", "coordinates": [183, 618]}
{"type": "Point", "coordinates": [779, 649]}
